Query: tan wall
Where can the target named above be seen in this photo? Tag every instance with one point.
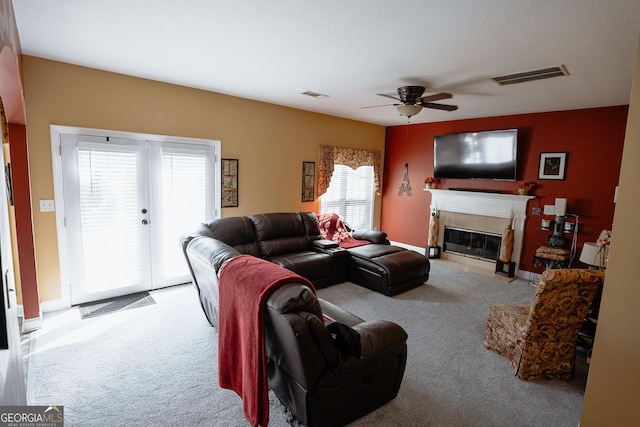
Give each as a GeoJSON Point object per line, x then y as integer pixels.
{"type": "Point", "coordinates": [271, 142]}
{"type": "Point", "coordinates": [612, 397]}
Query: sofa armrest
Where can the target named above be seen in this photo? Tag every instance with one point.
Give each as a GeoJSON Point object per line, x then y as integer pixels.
{"type": "Point", "coordinates": [211, 251]}
{"type": "Point", "coordinates": [377, 336]}
{"type": "Point", "coordinates": [374, 236]}
{"type": "Point", "coordinates": [324, 244]}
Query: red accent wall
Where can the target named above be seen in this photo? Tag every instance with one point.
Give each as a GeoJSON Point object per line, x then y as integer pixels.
{"type": "Point", "coordinates": [11, 90]}
{"type": "Point", "coordinates": [593, 138]}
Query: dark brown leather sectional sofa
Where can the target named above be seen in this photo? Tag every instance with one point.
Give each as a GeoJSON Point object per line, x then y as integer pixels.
{"type": "Point", "coordinates": [322, 383]}
{"type": "Point", "coordinates": [293, 241]}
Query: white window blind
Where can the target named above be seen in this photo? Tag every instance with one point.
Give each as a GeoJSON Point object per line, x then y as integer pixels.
{"type": "Point", "coordinates": [350, 195]}
{"type": "Point", "coordinates": [184, 203]}
{"type": "Point", "coordinates": [109, 211]}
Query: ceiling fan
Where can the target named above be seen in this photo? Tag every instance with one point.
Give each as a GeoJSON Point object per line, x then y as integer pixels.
{"type": "Point", "coordinates": [412, 101]}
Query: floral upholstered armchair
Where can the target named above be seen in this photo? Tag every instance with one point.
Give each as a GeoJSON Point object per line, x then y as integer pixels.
{"type": "Point", "coordinates": [540, 340]}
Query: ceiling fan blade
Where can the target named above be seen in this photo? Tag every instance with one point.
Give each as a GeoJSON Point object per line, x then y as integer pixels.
{"type": "Point", "coordinates": [384, 105]}
{"type": "Point", "coordinates": [388, 96]}
{"type": "Point", "coordinates": [435, 97]}
{"type": "Point", "coordinates": [440, 106]}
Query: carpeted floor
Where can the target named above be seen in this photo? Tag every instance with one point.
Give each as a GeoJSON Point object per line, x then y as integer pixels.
{"type": "Point", "coordinates": [157, 365]}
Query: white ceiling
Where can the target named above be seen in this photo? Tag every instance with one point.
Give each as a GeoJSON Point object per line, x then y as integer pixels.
{"type": "Point", "coordinates": [272, 51]}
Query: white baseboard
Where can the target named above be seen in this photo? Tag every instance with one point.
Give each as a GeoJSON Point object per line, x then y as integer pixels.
{"type": "Point", "coordinates": [54, 305]}
{"type": "Point", "coordinates": [33, 324]}
{"type": "Point", "coordinates": [410, 247]}
{"type": "Point", "coordinates": [30, 325]}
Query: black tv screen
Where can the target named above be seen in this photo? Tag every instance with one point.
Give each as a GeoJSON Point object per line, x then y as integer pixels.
{"type": "Point", "coordinates": [476, 155]}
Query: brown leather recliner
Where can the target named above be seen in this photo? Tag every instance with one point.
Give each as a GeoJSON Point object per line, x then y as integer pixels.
{"type": "Point", "coordinates": [321, 383]}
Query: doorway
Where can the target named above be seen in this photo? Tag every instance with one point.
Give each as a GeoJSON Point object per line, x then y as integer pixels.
{"type": "Point", "coordinates": [125, 201]}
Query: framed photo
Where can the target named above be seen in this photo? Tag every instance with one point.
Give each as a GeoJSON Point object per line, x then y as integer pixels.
{"type": "Point", "coordinates": [553, 166]}
{"type": "Point", "coordinates": [229, 183]}
{"type": "Point", "coordinates": [308, 181]}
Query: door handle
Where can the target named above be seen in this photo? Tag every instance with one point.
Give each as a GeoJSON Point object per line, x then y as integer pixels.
{"type": "Point", "coordinates": [145, 222]}
{"type": "Point", "coordinates": [6, 284]}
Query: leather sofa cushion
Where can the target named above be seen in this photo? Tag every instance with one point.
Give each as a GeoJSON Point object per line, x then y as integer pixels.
{"type": "Point", "coordinates": [237, 232]}
{"type": "Point", "coordinates": [311, 225]}
{"type": "Point", "coordinates": [283, 246]}
{"type": "Point", "coordinates": [374, 251]}
{"type": "Point", "coordinates": [374, 236]}
{"type": "Point", "coordinates": [398, 267]}
{"type": "Point", "coordinates": [293, 297]}
{"type": "Point", "coordinates": [287, 306]}
{"type": "Point", "coordinates": [312, 265]}
{"type": "Point", "coordinates": [280, 233]}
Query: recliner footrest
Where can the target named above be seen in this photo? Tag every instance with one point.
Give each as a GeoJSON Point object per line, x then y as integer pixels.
{"type": "Point", "coordinates": [387, 269]}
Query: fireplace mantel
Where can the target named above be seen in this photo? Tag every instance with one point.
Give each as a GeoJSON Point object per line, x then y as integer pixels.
{"type": "Point", "coordinates": [495, 205]}
{"type": "Point", "coordinates": [478, 203]}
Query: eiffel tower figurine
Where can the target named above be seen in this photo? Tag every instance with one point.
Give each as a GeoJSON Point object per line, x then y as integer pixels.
{"type": "Point", "coordinates": [405, 187]}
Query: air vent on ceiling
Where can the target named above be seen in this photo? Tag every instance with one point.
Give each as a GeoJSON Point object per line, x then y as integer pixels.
{"type": "Point", "coordinates": [315, 94]}
{"type": "Point", "coordinates": [527, 76]}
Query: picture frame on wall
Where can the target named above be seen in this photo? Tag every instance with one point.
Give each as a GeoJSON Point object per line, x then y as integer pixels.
{"type": "Point", "coordinates": [229, 183]}
{"type": "Point", "coordinates": [308, 181]}
{"type": "Point", "coordinates": [553, 166]}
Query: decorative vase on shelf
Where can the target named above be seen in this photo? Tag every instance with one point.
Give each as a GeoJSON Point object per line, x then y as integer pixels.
{"type": "Point", "coordinates": [430, 183]}
{"type": "Point", "coordinates": [506, 246]}
{"type": "Point", "coordinates": [523, 191]}
{"type": "Point", "coordinates": [434, 228]}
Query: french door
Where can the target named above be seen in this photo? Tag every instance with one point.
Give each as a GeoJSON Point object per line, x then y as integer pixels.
{"type": "Point", "coordinates": [126, 204]}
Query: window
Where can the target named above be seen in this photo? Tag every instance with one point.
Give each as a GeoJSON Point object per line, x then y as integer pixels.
{"type": "Point", "coordinates": [350, 195]}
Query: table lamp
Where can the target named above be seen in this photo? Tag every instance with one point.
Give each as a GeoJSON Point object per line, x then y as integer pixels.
{"type": "Point", "coordinates": [595, 255]}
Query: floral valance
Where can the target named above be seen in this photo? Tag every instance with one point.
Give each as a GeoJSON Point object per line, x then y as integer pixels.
{"type": "Point", "coordinates": [329, 155]}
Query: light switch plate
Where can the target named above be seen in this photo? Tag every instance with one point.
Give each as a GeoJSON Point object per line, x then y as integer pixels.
{"type": "Point", "coordinates": [47, 206]}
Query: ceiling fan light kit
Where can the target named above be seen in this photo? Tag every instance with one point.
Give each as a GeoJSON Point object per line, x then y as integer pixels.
{"type": "Point", "coordinates": [412, 101]}
{"type": "Point", "coordinates": [409, 110]}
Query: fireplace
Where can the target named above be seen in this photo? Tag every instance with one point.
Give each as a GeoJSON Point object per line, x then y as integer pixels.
{"type": "Point", "coordinates": [471, 243]}
{"type": "Point", "coordinates": [485, 213]}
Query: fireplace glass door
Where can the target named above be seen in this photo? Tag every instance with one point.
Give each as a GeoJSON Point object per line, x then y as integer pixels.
{"type": "Point", "coordinates": [475, 244]}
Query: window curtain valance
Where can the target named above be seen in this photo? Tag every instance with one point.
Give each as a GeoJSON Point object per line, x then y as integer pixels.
{"type": "Point", "coordinates": [329, 155]}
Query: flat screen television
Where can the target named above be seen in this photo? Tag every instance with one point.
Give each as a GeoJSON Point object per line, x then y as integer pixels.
{"type": "Point", "coordinates": [476, 155]}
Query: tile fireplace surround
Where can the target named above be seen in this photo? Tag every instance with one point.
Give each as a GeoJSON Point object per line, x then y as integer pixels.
{"type": "Point", "coordinates": [479, 211]}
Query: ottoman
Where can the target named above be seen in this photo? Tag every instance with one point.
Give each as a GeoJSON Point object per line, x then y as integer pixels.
{"type": "Point", "coordinates": [387, 269]}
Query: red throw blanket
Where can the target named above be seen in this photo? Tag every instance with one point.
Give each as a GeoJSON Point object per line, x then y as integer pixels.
{"type": "Point", "coordinates": [332, 228]}
{"type": "Point", "coordinates": [245, 283]}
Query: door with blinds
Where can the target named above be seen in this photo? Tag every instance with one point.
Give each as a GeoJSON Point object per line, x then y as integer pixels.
{"type": "Point", "coordinates": [126, 204]}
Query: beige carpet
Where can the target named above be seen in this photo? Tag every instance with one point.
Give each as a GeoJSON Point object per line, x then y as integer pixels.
{"type": "Point", "coordinates": [157, 365]}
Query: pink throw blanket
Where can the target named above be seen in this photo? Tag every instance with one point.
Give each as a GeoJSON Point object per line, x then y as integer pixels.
{"type": "Point", "coordinates": [332, 228]}
{"type": "Point", "coordinates": [245, 283]}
